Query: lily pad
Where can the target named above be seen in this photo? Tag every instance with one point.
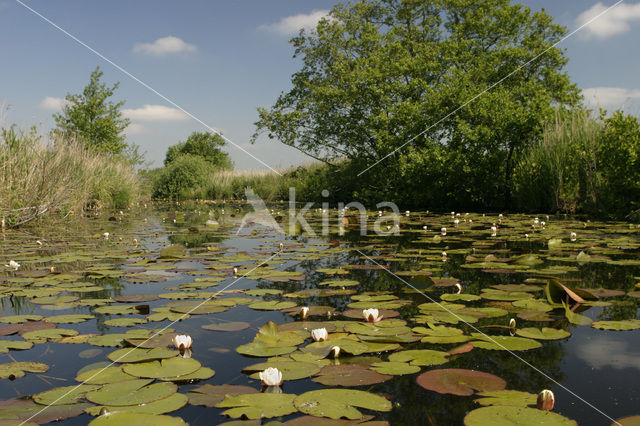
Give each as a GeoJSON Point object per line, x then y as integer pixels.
{"type": "Point", "coordinates": [210, 395]}
{"type": "Point", "coordinates": [258, 405]}
{"type": "Point", "coordinates": [545, 333]}
{"type": "Point", "coordinates": [68, 319]}
{"type": "Point", "coordinates": [631, 324]}
{"type": "Point", "coordinates": [504, 343]}
{"type": "Point", "coordinates": [291, 369]}
{"type": "Point", "coordinates": [18, 369]}
{"type": "Point", "coordinates": [170, 367]}
{"type": "Point", "coordinates": [131, 392]}
{"type": "Point", "coordinates": [395, 368]}
{"type": "Point", "coordinates": [461, 382]}
{"type": "Point", "coordinates": [338, 403]}
{"type": "Point", "coordinates": [422, 357]}
{"type": "Point", "coordinates": [349, 375]}
{"type": "Point", "coordinates": [123, 418]}
{"type": "Point", "coordinates": [141, 355]}
{"type": "Point", "coordinates": [7, 345]}
{"type": "Point", "coordinates": [227, 326]}
{"type": "Point", "coordinates": [507, 397]}
{"type": "Point", "coordinates": [514, 416]}
{"type": "Point", "coordinates": [63, 395]}
{"type": "Point", "coordinates": [272, 305]}
{"type": "Point", "coordinates": [103, 375]}
{"type": "Point", "coordinates": [161, 406]}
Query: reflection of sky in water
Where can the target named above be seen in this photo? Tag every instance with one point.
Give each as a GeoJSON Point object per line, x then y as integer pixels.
{"type": "Point", "coordinates": [609, 352]}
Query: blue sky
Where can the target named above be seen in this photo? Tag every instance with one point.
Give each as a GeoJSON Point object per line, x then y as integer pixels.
{"type": "Point", "coordinates": [219, 60]}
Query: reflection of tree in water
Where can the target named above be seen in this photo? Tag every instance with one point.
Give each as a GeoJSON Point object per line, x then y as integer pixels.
{"type": "Point", "coordinates": [197, 239]}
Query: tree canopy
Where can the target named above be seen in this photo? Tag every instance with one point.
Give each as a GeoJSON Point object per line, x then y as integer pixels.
{"type": "Point", "coordinates": [468, 82]}
{"type": "Point", "coordinates": [93, 118]}
{"type": "Point", "coordinates": [202, 144]}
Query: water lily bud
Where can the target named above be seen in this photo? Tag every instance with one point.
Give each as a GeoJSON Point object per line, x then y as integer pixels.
{"type": "Point", "coordinates": [319, 334]}
{"type": "Point", "coordinates": [459, 287]}
{"type": "Point", "coordinates": [407, 213]}
{"type": "Point", "coordinates": [371, 315]}
{"type": "Point", "coordinates": [13, 265]}
{"type": "Point", "coordinates": [135, 241]}
{"type": "Point", "coordinates": [453, 214]}
{"type": "Point", "coordinates": [304, 312]}
{"type": "Point", "coordinates": [425, 227]}
{"type": "Point", "coordinates": [182, 341]}
{"type": "Point", "coordinates": [335, 351]}
{"type": "Point", "coordinates": [546, 400]}
{"type": "Point", "coordinates": [281, 246]}
{"type": "Point", "coordinates": [235, 271]}
{"type": "Point", "coordinates": [38, 242]}
{"type": "Point", "coordinates": [443, 231]}
{"type": "Point", "coordinates": [512, 323]}
{"type": "Point", "coordinates": [573, 236]}
{"type": "Point", "coordinates": [444, 254]}
{"type": "Point", "coordinates": [456, 221]}
{"type": "Point", "coordinates": [271, 377]}
{"type": "Point", "coordinates": [105, 235]}
{"type": "Point", "coordinates": [52, 269]}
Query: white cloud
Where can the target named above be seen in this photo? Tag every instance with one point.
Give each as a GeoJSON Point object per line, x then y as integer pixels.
{"type": "Point", "coordinates": [616, 97]}
{"type": "Point", "coordinates": [164, 46]}
{"type": "Point", "coordinates": [615, 21]}
{"type": "Point", "coordinates": [136, 129]}
{"type": "Point", "coordinates": [155, 113]}
{"type": "Point", "coordinates": [292, 24]}
{"type": "Point", "coordinates": [53, 104]}
{"type": "Point", "coordinates": [605, 352]}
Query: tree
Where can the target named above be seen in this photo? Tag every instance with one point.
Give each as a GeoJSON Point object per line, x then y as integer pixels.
{"type": "Point", "coordinates": [94, 119]}
{"type": "Point", "coordinates": [379, 73]}
{"type": "Point", "coordinates": [203, 144]}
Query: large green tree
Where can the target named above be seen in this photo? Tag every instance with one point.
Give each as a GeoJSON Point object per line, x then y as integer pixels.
{"type": "Point", "coordinates": [92, 117]}
{"type": "Point", "coordinates": [379, 73]}
{"type": "Point", "coordinates": [202, 144]}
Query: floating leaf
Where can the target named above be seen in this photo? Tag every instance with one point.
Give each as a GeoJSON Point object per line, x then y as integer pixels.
{"type": "Point", "coordinates": [631, 324]}
{"type": "Point", "coordinates": [395, 368]}
{"type": "Point", "coordinates": [514, 416]}
{"type": "Point", "coordinates": [131, 392]}
{"type": "Point", "coordinates": [337, 403]}
{"type": "Point", "coordinates": [125, 322]}
{"type": "Point", "coordinates": [422, 357]}
{"type": "Point", "coordinates": [68, 319]}
{"type": "Point", "coordinates": [141, 355]}
{"type": "Point", "coordinates": [258, 405]}
{"type": "Point", "coordinates": [161, 406]}
{"type": "Point", "coordinates": [166, 368]}
{"type": "Point", "coordinates": [210, 395]}
{"type": "Point", "coordinates": [291, 369]}
{"type": "Point", "coordinates": [227, 326]}
{"type": "Point", "coordinates": [459, 381]}
{"type": "Point", "coordinates": [7, 345]}
{"type": "Point", "coordinates": [17, 369]}
{"type": "Point", "coordinates": [15, 319]}
{"type": "Point", "coordinates": [63, 395]}
{"type": "Point", "coordinates": [349, 375]}
{"type": "Point", "coordinates": [103, 375]}
{"type": "Point", "coordinates": [41, 336]}
{"type": "Point", "coordinates": [124, 418]}
{"type": "Point", "coordinates": [504, 343]}
{"type": "Point", "coordinates": [507, 397]}
{"type": "Point", "coordinates": [575, 318]}
{"type": "Point", "coordinates": [17, 411]}
{"type": "Point", "coordinates": [272, 305]}
{"type": "Point", "coordinates": [545, 333]}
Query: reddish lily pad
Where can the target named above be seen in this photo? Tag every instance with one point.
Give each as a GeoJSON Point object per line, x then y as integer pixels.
{"type": "Point", "coordinates": [458, 381]}
{"type": "Point", "coordinates": [349, 375]}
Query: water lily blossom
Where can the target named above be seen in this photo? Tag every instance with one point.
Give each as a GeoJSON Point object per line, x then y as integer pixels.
{"type": "Point", "coordinates": [105, 235]}
{"type": "Point", "coordinates": [371, 315]}
{"type": "Point", "coordinates": [335, 351]}
{"type": "Point", "coordinates": [546, 400]}
{"type": "Point", "coordinates": [573, 236]}
{"type": "Point", "coordinates": [512, 323]}
{"type": "Point", "coordinates": [182, 341]}
{"type": "Point", "coordinates": [443, 231]}
{"type": "Point", "coordinates": [271, 377]}
{"type": "Point", "coordinates": [319, 334]}
{"type": "Point", "coordinates": [459, 287]}
{"type": "Point", "coordinates": [13, 265]}
{"type": "Point", "coordinates": [304, 312]}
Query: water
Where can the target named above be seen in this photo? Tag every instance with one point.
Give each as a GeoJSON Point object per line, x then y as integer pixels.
{"type": "Point", "coordinates": [591, 372]}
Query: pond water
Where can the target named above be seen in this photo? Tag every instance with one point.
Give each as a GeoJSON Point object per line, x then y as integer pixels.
{"type": "Point", "coordinates": [574, 299]}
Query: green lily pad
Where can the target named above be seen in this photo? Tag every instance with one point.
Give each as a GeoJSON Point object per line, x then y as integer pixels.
{"type": "Point", "coordinates": [258, 405]}
{"type": "Point", "coordinates": [575, 318]}
{"type": "Point", "coordinates": [395, 368]}
{"type": "Point", "coordinates": [63, 395]}
{"type": "Point", "coordinates": [337, 403]}
{"type": "Point", "coordinates": [291, 369]}
{"type": "Point", "coordinates": [269, 341]}
{"type": "Point", "coordinates": [170, 367]}
{"type": "Point", "coordinates": [507, 397]}
{"type": "Point", "coordinates": [161, 406]}
{"type": "Point", "coordinates": [7, 345]}
{"type": "Point", "coordinates": [103, 375]}
{"type": "Point", "coordinates": [441, 334]}
{"type": "Point", "coordinates": [227, 326]}
{"type": "Point", "coordinates": [16, 411]}
{"type": "Point", "coordinates": [349, 375]}
{"type": "Point", "coordinates": [545, 333]}
{"type": "Point", "coordinates": [513, 416]}
{"type": "Point", "coordinates": [422, 357]}
{"type": "Point", "coordinates": [41, 336]}
{"type": "Point", "coordinates": [124, 418]}
{"type": "Point", "coordinates": [15, 319]}
{"type": "Point", "coordinates": [461, 382]}
{"type": "Point", "coordinates": [174, 251]}
{"type": "Point", "coordinates": [210, 395]}
{"type": "Point", "coordinates": [17, 369]}
{"type": "Point", "coordinates": [68, 319]}
{"type": "Point", "coordinates": [631, 324]}
{"type": "Point", "coordinates": [125, 322]}
{"type": "Point", "coordinates": [131, 392]}
{"type": "Point", "coordinates": [504, 343]}
{"type": "Point", "coordinates": [272, 305]}
{"type": "Point", "coordinates": [141, 355]}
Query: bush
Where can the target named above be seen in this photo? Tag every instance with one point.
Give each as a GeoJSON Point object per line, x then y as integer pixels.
{"type": "Point", "coordinates": [185, 177]}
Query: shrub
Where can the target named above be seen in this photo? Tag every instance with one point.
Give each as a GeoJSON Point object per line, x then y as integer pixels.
{"type": "Point", "coordinates": [185, 177]}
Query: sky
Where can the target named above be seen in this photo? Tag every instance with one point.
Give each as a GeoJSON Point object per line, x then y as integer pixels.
{"type": "Point", "coordinates": [183, 66]}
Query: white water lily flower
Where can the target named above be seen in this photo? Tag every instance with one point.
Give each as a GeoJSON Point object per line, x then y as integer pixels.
{"type": "Point", "coordinates": [407, 213]}
{"type": "Point", "coordinates": [304, 312]}
{"type": "Point", "coordinates": [182, 341]}
{"type": "Point", "coordinates": [459, 287]}
{"type": "Point", "coordinates": [456, 221]}
{"type": "Point", "coordinates": [371, 315]}
{"type": "Point", "coordinates": [335, 351]}
{"type": "Point", "coordinates": [271, 377]}
{"type": "Point", "coordinates": [425, 227]}
{"type": "Point", "coordinates": [38, 242]}
{"type": "Point", "coordinates": [512, 323]}
{"type": "Point", "coordinates": [443, 231]}
{"type": "Point", "coordinates": [546, 400]}
{"type": "Point", "coordinates": [319, 334]}
{"type": "Point", "coordinates": [105, 235]}
{"type": "Point", "coordinates": [573, 236]}
{"type": "Point", "coordinates": [13, 265]}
